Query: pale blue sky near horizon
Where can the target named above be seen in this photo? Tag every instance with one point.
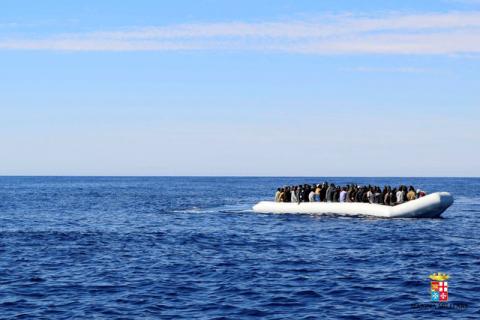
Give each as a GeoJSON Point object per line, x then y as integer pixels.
{"type": "Point", "coordinates": [256, 88]}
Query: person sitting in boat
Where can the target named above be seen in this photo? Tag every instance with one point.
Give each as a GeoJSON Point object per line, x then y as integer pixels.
{"type": "Point", "coordinates": [288, 195]}
{"type": "Point", "coordinates": [384, 193]}
{"type": "Point", "coordinates": [378, 195]}
{"type": "Point", "coordinates": [293, 195]}
{"type": "Point", "coordinates": [317, 193]}
{"type": "Point", "coordinates": [329, 192]}
{"type": "Point", "coordinates": [411, 195]}
{"type": "Point", "coordinates": [421, 193]}
{"type": "Point", "coordinates": [311, 196]}
{"type": "Point", "coordinates": [386, 198]}
{"type": "Point", "coordinates": [323, 192]}
{"type": "Point", "coordinates": [335, 194]}
{"type": "Point", "coordinates": [350, 193]}
{"type": "Point", "coordinates": [359, 195]}
{"type": "Point", "coordinates": [370, 195]}
{"type": "Point", "coordinates": [277, 195]}
{"type": "Point", "coordinates": [343, 195]}
{"type": "Point", "coordinates": [400, 196]}
{"type": "Point", "coordinates": [338, 190]}
{"type": "Point", "coordinates": [306, 192]}
{"type": "Point", "coordinates": [353, 194]}
{"type": "Point", "coordinates": [348, 189]}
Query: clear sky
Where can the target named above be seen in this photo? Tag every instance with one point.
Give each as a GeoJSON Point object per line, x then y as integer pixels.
{"type": "Point", "coordinates": [240, 87]}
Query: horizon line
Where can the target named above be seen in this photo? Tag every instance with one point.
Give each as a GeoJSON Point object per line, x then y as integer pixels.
{"type": "Point", "coordinates": [222, 176]}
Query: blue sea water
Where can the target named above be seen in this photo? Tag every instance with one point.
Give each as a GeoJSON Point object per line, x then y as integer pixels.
{"type": "Point", "coordinates": [190, 248]}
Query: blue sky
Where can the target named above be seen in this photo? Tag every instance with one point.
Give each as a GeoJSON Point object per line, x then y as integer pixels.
{"type": "Point", "coordinates": [315, 88]}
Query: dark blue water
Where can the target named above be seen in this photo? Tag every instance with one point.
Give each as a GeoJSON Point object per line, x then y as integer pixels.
{"type": "Point", "coordinates": [190, 248]}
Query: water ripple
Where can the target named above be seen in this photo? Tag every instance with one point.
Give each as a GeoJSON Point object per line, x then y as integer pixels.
{"type": "Point", "coordinates": [186, 248]}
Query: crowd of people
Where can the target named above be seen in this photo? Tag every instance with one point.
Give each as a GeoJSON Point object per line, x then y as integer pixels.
{"type": "Point", "coordinates": [350, 193]}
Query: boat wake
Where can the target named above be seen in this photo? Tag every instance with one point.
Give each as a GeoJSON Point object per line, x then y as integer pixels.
{"type": "Point", "coordinates": [243, 208]}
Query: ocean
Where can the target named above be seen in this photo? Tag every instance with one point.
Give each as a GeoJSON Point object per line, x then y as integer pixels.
{"type": "Point", "coordinates": [191, 248]}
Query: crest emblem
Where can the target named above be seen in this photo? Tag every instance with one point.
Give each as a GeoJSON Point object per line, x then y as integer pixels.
{"type": "Point", "coordinates": [439, 287]}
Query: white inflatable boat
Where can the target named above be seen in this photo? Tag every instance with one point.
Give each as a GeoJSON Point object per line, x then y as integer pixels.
{"type": "Point", "coordinates": [430, 206]}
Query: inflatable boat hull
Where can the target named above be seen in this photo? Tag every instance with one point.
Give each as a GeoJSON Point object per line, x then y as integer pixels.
{"type": "Point", "coordinates": [430, 206]}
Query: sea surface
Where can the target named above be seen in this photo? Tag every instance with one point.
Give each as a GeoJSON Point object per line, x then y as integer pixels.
{"type": "Point", "coordinates": [191, 248]}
